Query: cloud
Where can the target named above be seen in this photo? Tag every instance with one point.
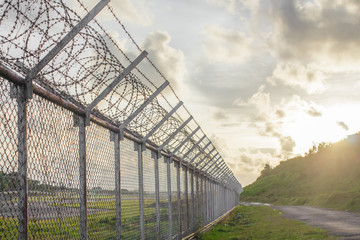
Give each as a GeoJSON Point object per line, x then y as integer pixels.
{"type": "Point", "coordinates": [297, 75]}
{"type": "Point", "coordinates": [343, 125]}
{"type": "Point", "coordinates": [247, 163]}
{"type": "Point", "coordinates": [219, 143]}
{"type": "Point", "coordinates": [260, 100]}
{"type": "Point", "coordinates": [324, 32]}
{"type": "Point", "coordinates": [225, 45]}
{"type": "Point", "coordinates": [134, 11]}
{"type": "Point", "coordinates": [313, 112]}
{"type": "Point", "coordinates": [253, 150]}
{"type": "Point", "coordinates": [229, 5]}
{"type": "Point", "coordinates": [280, 113]}
{"type": "Point", "coordinates": [232, 5]}
{"type": "Point", "coordinates": [273, 120]}
{"type": "Point", "coordinates": [169, 60]}
{"type": "Point", "coordinates": [271, 129]}
{"type": "Point", "coordinates": [287, 143]}
{"type": "Point", "coordinates": [220, 115]}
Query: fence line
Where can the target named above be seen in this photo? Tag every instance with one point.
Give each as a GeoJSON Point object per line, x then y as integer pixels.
{"type": "Point", "coordinates": [91, 147]}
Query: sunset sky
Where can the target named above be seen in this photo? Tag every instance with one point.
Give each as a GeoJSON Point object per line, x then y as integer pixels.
{"type": "Point", "coordinates": [266, 80]}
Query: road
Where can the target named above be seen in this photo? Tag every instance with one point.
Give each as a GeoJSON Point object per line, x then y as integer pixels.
{"type": "Point", "coordinates": [341, 223]}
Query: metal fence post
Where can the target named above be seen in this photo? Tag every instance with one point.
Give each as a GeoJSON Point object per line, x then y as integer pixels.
{"type": "Point", "coordinates": [178, 200]}
{"type": "Point", "coordinates": [115, 137]}
{"type": "Point", "coordinates": [186, 201]}
{"type": "Point", "coordinates": [22, 162]}
{"type": "Point", "coordinates": [201, 201]}
{"type": "Point", "coordinates": [80, 122]}
{"type": "Point", "coordinates": [208, 200]}
{"type": "Point", "coordinates": [141, 189]}
{"type": "Point", "coordinates": [212, 200]}
{"type": "Point", "coordinates": [197, 209]}
{"type": "Point", "coordinates": [205, 200]}
{"type": "Point", "coordinates": [167, 160]}
{"type": "Point", "coordinates": [192, 202]}
{"type": "Point", "coordinates": [157, 193]}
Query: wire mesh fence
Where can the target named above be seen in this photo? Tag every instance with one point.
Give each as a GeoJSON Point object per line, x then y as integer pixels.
{"type": "Point", "coordinates": [94, 144]}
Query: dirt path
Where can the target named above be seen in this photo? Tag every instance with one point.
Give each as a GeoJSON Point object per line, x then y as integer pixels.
{"type": "Point", "coordinates": [343, 224]}
{"type": "Point", "coordinates": [346, 225]}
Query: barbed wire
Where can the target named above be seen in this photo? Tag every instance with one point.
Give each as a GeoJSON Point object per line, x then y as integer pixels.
{"type": "Point", "coordinates": [86, 65]}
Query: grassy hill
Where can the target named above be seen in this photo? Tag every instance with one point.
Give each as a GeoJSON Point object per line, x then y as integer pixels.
{"type": "Point", "coordinates": [328, 176]}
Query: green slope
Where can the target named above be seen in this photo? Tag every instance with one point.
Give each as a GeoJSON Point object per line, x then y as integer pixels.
{"type": "Point", "coordinates": [328, 176]}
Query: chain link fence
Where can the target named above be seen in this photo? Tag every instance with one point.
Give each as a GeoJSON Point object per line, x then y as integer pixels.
{"type": "Point", "coordinates": [94, 141]}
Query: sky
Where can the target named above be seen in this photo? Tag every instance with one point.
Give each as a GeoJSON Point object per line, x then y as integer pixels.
{"type": "Point", "coordinates": [266, 80]}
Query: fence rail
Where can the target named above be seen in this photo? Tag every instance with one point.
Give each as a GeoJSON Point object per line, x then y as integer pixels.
{"type": "Point", "coordinates": [94, 145]}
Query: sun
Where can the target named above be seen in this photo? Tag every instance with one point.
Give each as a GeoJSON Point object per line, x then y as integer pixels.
{"type": "Point", "coordinates": [334, 124]}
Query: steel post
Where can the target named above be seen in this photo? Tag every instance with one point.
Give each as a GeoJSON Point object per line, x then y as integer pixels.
{"type": "Point", "coordinates": [186, 202]}
{"type": "Point", "coordinates": [138, 148]}
{"type": "Point", "coordinates": [115, 138]}
{"type": "Point", "coordinates": [22, 162]}
{"type": "Point", "coordinates": [167, 160]}
{"type": "Point", "coordinates": [192, 201]}
{"type": "Point", "coordinates": [198, 203]}
{"type": "Point", "coordinates": [178, 199]}
{"type": "Point", "coordinates": [80, 122]}
{"type": "Point", "coordinates": [157, 193]}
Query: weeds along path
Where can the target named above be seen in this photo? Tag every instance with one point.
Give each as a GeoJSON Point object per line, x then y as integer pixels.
{"type": "Point", "coordinates": [341, 223]}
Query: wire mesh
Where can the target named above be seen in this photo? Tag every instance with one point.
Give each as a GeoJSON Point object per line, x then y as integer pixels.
{"type": "Point", "coordinates": [164, 212]}
{"type": "Point", "coordinates": [197, 222]}
{"type": "Point", "coordinates": [53, 174]}
{"type": "Point", "coordinates": [8, 163]}
{"type": "Point", "coordinates": [174, 198]}
{"type": "Point", "coordinates": [129, 191]}
{"type": "Point", "coordinates": [182, 200]}
{"type": "Point", "coordinates": [149, 196]}
{"type": "Point", "coordinates": [78, 74]}
{"type": "Point", "coordinates": [189, 212]}
{"type": "Point", "coordinates": [100, 183]}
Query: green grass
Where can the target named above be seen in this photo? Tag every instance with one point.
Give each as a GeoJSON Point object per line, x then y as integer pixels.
{"type": "Point", "coordinates": [260, 222]}
{"type": "Point", "coordinates": [100, 225]}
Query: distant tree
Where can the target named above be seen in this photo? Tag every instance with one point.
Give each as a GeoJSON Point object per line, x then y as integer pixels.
{"type": "Point", "coordinates": [316, 148]}
{"type": "Point", "coordinates": [266, 171]}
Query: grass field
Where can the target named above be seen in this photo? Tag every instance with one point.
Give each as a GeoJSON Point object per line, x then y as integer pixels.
{"type": "Point", "coordinates": [101, 225]}
{"type": "Point", "coordinates": [260, 222]}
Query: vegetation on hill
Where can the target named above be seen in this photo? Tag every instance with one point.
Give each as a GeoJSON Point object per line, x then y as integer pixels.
{"type": "Point", "coordinates": [327, 176]}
